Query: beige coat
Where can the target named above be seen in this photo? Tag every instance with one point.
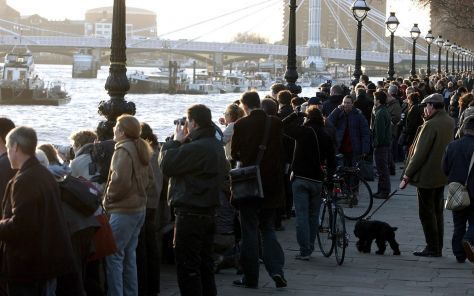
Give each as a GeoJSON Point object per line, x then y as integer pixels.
{"type": "Point", "coordinates": [426, 154]}
{"type": "Point", "coordinates": [127, 181]}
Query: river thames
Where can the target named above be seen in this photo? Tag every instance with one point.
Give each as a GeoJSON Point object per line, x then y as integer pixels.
{"type": "Point", "coordinates": [54, 124]}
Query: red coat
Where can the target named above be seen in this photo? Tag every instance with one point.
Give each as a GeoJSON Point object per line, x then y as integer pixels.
{"type": "Point", "coordinates": [34, 240]}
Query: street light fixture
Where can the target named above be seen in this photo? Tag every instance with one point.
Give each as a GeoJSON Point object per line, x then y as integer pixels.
{"type": "Point", "coordinates": [429, 39]}
{"type": "Point", "coordinates": [454, 47]}
{"type": "Point", "coordinates": [439, 41]}
{"type": "Point", "coordinates": [117, 83]}
{"type": "Point", "coordinates": [359, 10]}
{"type": "Point", "coordinates": [392, 25]}
{"type": "Point", "coordinates": [447, 46]}
{"type": "Point", "coordinates": [291, 75]}
{"type": "Point", "coordinates": [415, 33]}
{"type": "Point", "coordinates": [459, 52]}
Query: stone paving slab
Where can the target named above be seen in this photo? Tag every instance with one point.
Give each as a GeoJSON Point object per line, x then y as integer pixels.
{"type": "Point", "coordinates": [361, 274]}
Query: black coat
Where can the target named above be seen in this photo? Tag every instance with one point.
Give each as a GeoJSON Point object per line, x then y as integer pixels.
{"type": "Point", "coordinates": [6, 173]}
{"type": "Point", "coordinates": [34, 241]}
{"type": "Point", "coordinates": [456, 162]}
{"type": "Point", "coordinates": [196, 169]}
{"type": "Point", "coordinates": [309, 155]}
{"type": "Point", "coordinates": [248, 134]}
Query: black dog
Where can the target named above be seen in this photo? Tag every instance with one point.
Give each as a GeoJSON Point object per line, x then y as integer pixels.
{"type": "Point", "coordinates": [382, 232]}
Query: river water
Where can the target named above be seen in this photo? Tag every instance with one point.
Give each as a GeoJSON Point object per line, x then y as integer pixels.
{"type": "Point", "coordinates": [55, 124]}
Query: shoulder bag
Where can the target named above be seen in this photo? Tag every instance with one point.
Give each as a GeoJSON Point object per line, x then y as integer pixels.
{"type": "Point", "coordinates": [458, 196]}
{"type": "Point", "coordinates": [80, 194]}
{"type": "Point", "coordinates": [246, 182]}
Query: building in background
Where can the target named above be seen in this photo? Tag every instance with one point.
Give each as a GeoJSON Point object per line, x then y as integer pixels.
{"type": "Point", "coordinates": [140, 22]}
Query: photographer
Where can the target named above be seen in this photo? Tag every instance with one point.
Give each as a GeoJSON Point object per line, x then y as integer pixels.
{"type": "Point", "coordinates": [196, 164]}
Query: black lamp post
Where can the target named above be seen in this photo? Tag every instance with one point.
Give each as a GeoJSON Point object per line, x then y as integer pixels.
{"type": "Point", "coordinates": [392, 25]}
{"type": "Point", "coordinates": [429, 39]}
{"type": "Point", "coordinates": [453, 49]}
{"type": "Point", "coordinates": [459, 52]}
{"type": "Point", "coordinates": [415, 33]}
{"type": "Point", "coordinates": [439, 41]}
{"type": "Point", "coordinates": [117, 83]}
{"type": "Point", "coordinates": [291, 75]}
{"type": "Point", "coordinates": [359, 10]}
{"type": "Point", "coordinates": [447, 46]}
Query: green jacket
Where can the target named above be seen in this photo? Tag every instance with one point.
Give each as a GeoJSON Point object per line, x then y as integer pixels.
{"type": "Point", "coordinates": [382, 127]}
{"type": "Point", "coordinates": [426, 154]}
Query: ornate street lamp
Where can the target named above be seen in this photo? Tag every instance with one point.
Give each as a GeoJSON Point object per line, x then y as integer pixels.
{"type": "Point", "coordinates": [439, 41]}
{"type": "Point", "coordinates": [392, 25]}
{"type": "Point", "coordinates": [459, 52]}
{"type": "Point", "coordinates": [414, 33]}
{"type": "Point", "coordinates": [429, 39]}
{"type": "Point", "coordinates": [359, 10]}
{"type": "Point", "coordinates": [447, 46]}
{"type": "Point", "coordinates": [454, 47]}
{"type": "Point", "coordinates": [291, 75]}
{"type": "Point", "coordinates": [117, 83]}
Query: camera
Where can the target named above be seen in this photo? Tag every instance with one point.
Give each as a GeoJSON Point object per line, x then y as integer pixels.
{"type": "Point", "coordinates": [180, 121]}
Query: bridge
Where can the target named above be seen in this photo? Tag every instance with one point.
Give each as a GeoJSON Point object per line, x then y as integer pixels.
{"type": "Point", "coordinates": [205, 51]}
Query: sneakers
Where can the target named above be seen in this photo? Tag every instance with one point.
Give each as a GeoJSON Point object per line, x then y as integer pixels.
{"type": "Point", "coordinates": [279, 280]}
{"type": "Point", "coordinates": [302, 258]}
{"type": "Point", "coordinates": [243, 284]}
{"type": "Point", "coordinates": [427, 253]}
{"type": "Point", "coordinates": [469, 250]}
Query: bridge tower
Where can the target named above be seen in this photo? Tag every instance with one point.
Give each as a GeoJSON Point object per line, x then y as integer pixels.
{"type": "Point", "coordinates": [314, 59]}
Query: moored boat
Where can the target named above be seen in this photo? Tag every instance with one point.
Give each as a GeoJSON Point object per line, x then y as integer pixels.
{"type": "Point", "coordinates": [21, 86]}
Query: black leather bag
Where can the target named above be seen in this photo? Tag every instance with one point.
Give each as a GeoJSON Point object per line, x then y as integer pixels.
{"type": "Point", "coordinates": [246, 182]}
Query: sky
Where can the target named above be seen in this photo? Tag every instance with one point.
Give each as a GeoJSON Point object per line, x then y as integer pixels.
{"type": "Point", "coordinates": [254, 16]}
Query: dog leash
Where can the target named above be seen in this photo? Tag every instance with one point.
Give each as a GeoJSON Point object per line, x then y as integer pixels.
{"type": "Point", "coordinates": [388, 197]}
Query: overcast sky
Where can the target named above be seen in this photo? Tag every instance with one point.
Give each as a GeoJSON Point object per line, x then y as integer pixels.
{"type": "Point", "coordinates": [260, 16]}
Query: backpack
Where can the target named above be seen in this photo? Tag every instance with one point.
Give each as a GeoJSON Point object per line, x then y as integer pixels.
{"type": "Point", "coordinates": [80, 194]}
{"type": "Point", "coordinates": [101, 157]}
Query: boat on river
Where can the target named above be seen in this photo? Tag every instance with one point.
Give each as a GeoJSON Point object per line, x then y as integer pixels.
{"type": "Point", "coordinates": [20, 85]}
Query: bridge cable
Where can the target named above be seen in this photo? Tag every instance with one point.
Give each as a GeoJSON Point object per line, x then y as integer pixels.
{"type": "Point", "coordinates": [253, 6]}
{"type": "Point", "coordinates": [331, 10]}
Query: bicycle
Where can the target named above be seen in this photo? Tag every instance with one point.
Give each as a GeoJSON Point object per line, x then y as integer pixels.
{"type": "Point", "coordinates": [353, 194]}
{"type": "Point", "coordinates": [332, 235]}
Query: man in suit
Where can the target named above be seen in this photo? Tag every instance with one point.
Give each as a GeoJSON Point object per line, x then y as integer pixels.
{"type": "Point", "coordinates": [260, 214]}
{"type": "Point", "coordinates": [34, 240]}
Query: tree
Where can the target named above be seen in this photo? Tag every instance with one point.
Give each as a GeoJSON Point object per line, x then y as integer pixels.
{"type": "Point", "coordinates": [458, 13]}
{"type": "Point", "coordinates": [247, 37]}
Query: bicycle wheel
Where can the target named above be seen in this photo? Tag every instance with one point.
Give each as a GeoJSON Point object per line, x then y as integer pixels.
{"type": "Point", "coordinates": [355, 197]}
{"type": "Point", "coordinates": [340, 235]}
{"type": "Point", "coordinates": [325, 233]}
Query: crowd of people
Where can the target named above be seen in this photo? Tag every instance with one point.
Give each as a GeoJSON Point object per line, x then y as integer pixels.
{"type": "Point", "coordinates": [47, 243]}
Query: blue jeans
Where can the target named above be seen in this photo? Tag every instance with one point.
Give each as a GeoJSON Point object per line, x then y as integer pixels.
{"type": "Point", "coordinates": [253, 218]}
{"type": "Point", "coordinates": [307, 201]}
{"type": "Point", "coordinates": [460, 218]}
{"type": "Point", "coordinates": [121, 267]}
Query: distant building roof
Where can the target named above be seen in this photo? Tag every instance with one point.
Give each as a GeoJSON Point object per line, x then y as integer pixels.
{"type": "Point", "coordinates": [130, 10]}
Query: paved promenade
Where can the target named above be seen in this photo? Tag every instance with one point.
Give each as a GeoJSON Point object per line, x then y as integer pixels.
{"type": "Point", "coordinates": [361, 274]}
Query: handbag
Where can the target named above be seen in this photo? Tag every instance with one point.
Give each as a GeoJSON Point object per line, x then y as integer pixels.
{"type": "Point", "coordinates": [458, 196]}
{"type": "Point", "coordinates": [80, 194]}
{"type": "Point", "coordinates": [103, 241]}
{"type": "Point", "coordinates": [246, 182]}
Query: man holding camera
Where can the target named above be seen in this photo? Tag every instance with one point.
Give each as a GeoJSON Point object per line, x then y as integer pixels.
{"type": "Point", "coordinates": [196, 164]}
